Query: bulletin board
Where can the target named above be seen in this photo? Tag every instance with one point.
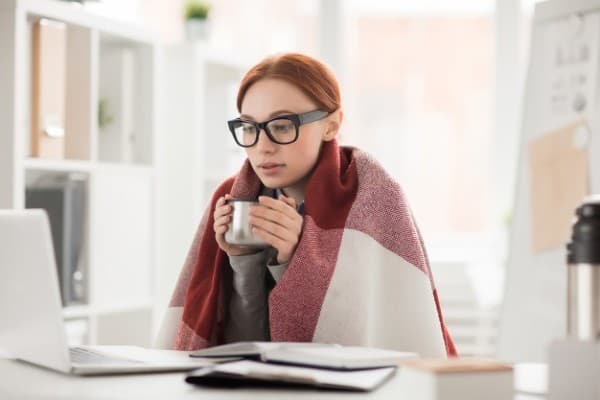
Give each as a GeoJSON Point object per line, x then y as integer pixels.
{"type": "Point", "coordinates": [559, 164]}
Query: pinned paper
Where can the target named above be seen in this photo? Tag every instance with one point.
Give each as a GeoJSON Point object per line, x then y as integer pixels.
{"type": "Point", "coordinates": [558, 166]}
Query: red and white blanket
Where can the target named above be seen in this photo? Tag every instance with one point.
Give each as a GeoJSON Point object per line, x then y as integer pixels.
{"type": "Point", "coordinates": [359, 276]}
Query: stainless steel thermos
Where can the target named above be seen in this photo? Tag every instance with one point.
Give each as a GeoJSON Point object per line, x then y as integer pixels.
{"type": "Point", "coordinates": [583, 276]}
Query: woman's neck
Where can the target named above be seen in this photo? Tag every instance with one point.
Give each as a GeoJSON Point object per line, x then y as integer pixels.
{"type": "Point", "coordinates": [295, 191]}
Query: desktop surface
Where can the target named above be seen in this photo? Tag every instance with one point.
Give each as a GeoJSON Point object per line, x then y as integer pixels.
{"type": "Point", "coordinates": [19, 380]}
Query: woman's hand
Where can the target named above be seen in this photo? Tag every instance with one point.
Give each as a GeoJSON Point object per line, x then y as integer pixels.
{"type": "Point", "coordinates": [222, 217]}
{"type": "Point", "coordinates": [278, 223]}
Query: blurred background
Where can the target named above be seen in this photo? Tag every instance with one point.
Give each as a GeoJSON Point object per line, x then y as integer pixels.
{"type": "Point", "coordinates": [433, 89]}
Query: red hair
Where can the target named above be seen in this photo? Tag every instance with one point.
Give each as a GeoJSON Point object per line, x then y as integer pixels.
{"type": "Point", "coordinates": [309, 75]}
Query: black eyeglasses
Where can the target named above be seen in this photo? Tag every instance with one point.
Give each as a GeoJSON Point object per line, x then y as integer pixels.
{"type": "Point", "coordinates": [282, 129]}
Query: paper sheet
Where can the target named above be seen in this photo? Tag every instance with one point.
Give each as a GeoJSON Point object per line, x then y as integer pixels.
{"type": "Point", "coordinates": [558, 165]}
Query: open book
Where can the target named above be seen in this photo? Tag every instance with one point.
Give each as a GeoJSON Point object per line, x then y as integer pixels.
{"type": "Point", "coordinates": [316, 355]}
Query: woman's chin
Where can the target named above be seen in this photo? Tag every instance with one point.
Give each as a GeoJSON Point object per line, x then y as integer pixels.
{"type": "Point", "coordinates": [273, 182]}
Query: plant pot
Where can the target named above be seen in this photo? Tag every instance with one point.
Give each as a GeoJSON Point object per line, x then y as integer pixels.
{"type": "Point", "coordinates": [196, 29]}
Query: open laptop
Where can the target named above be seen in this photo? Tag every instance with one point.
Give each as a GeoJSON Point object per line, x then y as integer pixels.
{"type": "Point", "coordinates": [31, 321]}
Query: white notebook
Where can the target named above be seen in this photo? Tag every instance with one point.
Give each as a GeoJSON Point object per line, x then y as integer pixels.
{"type": "Point", "coordinates": [331, 356]}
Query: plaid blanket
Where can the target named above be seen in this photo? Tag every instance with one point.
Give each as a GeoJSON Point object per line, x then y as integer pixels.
{"type": "Point", "coordinates": [359, 275]}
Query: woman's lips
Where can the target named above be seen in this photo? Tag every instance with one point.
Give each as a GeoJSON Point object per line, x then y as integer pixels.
{"type": "Point", "coordinates": [270, 168]}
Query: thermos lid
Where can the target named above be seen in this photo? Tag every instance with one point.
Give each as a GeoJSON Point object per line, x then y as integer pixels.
{"type": "Point", "coordinates": [584, 247]}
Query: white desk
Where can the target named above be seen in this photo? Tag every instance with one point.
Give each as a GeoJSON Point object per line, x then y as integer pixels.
{"type": "Point", "coordinates": [26, 382]}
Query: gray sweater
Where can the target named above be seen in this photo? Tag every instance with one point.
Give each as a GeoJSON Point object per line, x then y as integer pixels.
{"type": "Point", "coordinates": [248, 307]}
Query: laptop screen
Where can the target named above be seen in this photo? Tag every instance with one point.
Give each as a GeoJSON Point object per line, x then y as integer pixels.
{"type": "Point", "coordinates": [31, 322]}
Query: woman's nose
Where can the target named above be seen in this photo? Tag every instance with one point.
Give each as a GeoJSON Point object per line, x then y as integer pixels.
{"type": "Point", "coordinates": [264, 144]}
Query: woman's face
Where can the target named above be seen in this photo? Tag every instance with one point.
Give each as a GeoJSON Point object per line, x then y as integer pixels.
{"type": "Point", "coordinates": [285, 166]}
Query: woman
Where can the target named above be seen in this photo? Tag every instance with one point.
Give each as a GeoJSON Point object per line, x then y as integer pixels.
{"type": "Point", "coordinates": [346, 263]}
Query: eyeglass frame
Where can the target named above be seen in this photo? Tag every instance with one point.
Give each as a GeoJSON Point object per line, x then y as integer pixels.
{"type": "Point", "coordinates": [297, 119]}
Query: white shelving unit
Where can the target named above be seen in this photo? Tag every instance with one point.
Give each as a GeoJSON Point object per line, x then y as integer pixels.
{"type": "Point", "coordinates": [121, 183]}
{"type": "Point", "coordinates": [200, 88]}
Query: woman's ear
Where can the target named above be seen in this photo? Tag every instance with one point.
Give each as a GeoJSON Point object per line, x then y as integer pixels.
{"type": "Point", "coordinates": [333, 121]}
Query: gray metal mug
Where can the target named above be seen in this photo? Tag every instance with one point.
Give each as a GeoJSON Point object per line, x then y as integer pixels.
{"type": "Point", "coordinates": [240, 230]}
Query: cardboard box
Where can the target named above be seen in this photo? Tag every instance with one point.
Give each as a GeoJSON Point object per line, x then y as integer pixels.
{"type": "Point", "coordinates": [48, 84]}
{"type": "Point", "coordinates": [456, 378]}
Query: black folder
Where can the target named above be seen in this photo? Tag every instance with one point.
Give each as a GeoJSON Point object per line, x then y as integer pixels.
{"type": "Point", "coordinates": [250, 373]}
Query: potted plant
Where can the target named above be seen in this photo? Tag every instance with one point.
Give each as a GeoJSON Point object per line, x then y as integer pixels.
{"type": "Point", "coordinates": [196, 19]}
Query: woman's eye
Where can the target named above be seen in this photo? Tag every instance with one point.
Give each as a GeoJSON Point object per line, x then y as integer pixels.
{"type": "Point", "coordinates": [248, 129]}
{"type": "Point", "coordinates": [281, 128]}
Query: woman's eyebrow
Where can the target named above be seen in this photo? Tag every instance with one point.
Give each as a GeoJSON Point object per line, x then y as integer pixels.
{"type": "Point", "coordinates": [280, 112]}
{"type": "Point", "coordinates": [273, 114]}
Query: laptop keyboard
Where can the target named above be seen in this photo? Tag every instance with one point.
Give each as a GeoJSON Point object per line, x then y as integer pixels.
{"type": "Point", "coordinates": [80, 355]}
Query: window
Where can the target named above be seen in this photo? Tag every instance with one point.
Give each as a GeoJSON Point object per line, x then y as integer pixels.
{"type": "Point", "coordinates": [422, 81]}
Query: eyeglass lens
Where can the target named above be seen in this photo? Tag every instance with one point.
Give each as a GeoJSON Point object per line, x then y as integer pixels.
{"type": "Point", "coordinates": [281, 131]}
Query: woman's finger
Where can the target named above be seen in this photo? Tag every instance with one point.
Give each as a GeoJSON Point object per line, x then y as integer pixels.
{"type": "Point", "coordinates": [286, 233]}
{"type": "Point", "coordinates": [223, 220]}
{"type": "Point", "coordinates": [284, 218]}
{"type": "Point", "coordinates": [222, 210]}
{"type": "Point", "coordinates": [273, 240]}
{"type": "Point", "coordinates": [284, 248]}
{"type": "Point", "coordinates": [277, 205]}
{"type": "Point", "coordinates": [290, 201]}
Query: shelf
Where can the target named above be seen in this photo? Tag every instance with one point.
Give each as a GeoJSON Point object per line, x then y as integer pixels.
{"type": "Point", "coordinates": [110, 225]}
{"type": "Point", "coordinates": [86, 311]}
{"type": "Point", "coordinates": [76, 15]}
{"type": "Point", "coordinates": [39, 164]}
{"type": "Point", "coordinates": [125, 167]}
